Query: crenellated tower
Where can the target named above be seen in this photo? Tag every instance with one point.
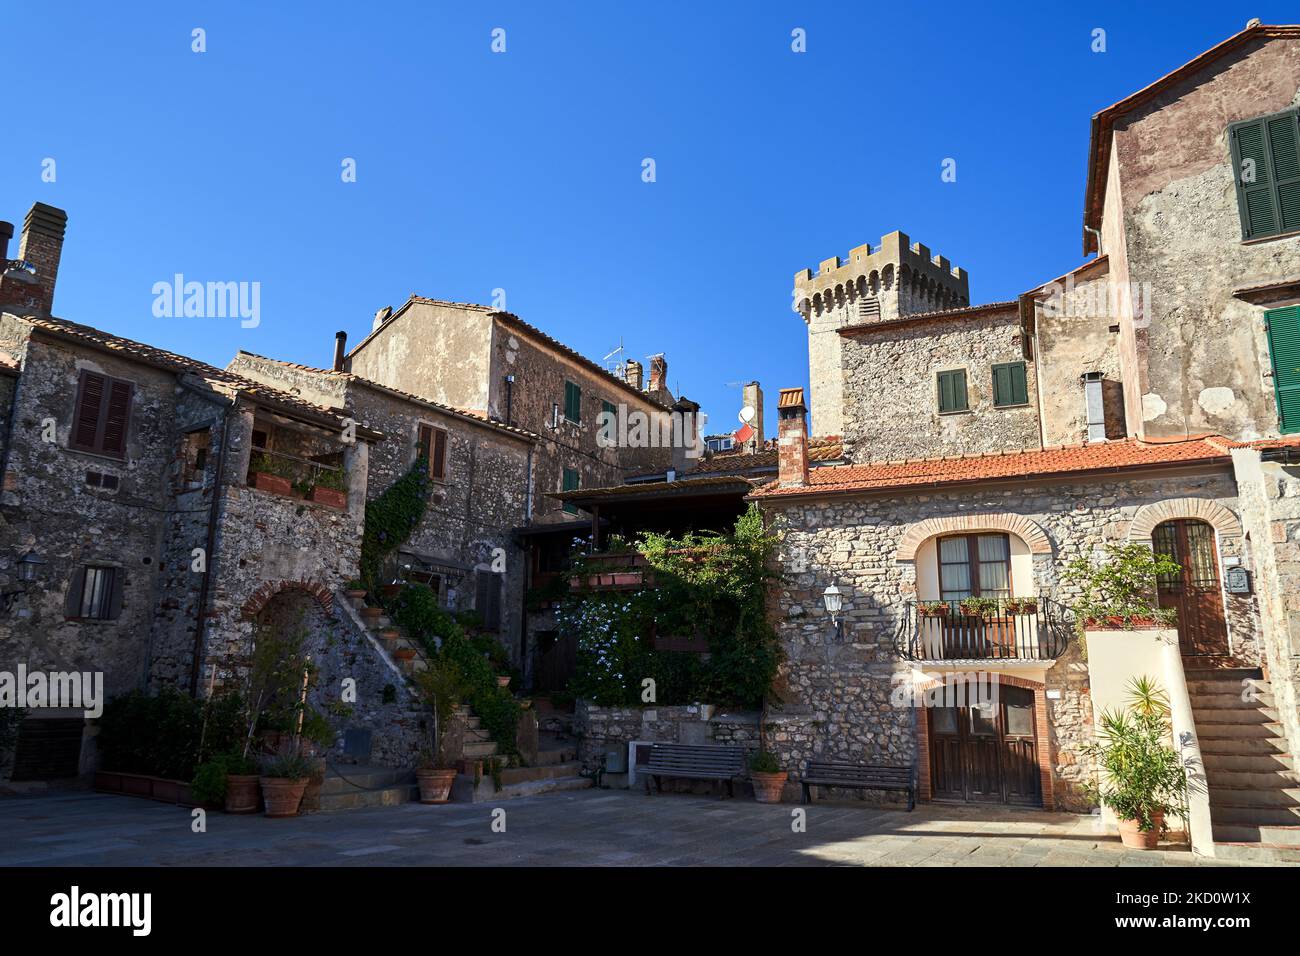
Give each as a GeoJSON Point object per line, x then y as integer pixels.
{"type": "Point", "coordinates": [892, 280]}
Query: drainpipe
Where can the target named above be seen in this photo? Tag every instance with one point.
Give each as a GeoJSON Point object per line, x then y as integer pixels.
{"type": "Point", "coordinates": [200, 615]}
{"type": "Point", "coordinates": [1096, 233]}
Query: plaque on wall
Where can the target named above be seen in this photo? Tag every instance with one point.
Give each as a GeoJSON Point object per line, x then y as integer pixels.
{"type": "Point", "coordinates": [1236, 581]}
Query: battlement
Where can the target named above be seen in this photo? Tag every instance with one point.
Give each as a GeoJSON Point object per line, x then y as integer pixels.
{"type": "Point", "coordinates": [907, 273]}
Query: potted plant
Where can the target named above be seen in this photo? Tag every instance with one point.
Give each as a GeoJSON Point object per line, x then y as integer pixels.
{"type": "Point", "coordinates": [767, 777]}
{"type": "Point", "coordinates": [1118, 591]}
{"type": "Point", "coordinates": [439, 687]}
{"type": "Point", "coordinates": [1142, 774]}
{"type": "Point", "coordinates": [355, 589]}
{"type": "Point", "coordinates": [330, 488]}
{"type": "Point", "coordinates": [284, 781]}
{"type": "Point", "coordinates": [503, 680]}
{"type": "Point", "coordinates": [228, 779]}
{"type": "Point", "coordinates": [932, 608]}
{"type": "Point", "coordinates": [270, 474]}
{"type": "Point", "coordinates": [979, 607]}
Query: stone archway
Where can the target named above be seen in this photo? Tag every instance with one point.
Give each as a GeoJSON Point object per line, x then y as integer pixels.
{"type": "Point", "coordinates": [1028, 531]}
{"type": "Point", "coordinates": [262, 596]}
{"type": "Point", "coordinates": [1223, 521]}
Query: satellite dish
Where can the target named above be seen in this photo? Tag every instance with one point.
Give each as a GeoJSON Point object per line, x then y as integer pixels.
{"type": "Point", "coordinates": [747, 414]}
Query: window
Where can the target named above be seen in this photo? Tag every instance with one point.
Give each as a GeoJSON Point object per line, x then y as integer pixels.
{"type": "Point", "coordinates": [431, 445]}
{"type": "Point", "coordinates": [572, 402]}
{"type": "Point", "coordinates": [571, 483]}
{"type": "Point", "coordinates": [609, 409]}
{"type": "Point", "coordinates": [952, 391]}
{"type": "Point", "coordinates": [1284, 346]}
{"type": "Point", "coordinates": [1009, 387]}
{"type": "Point", "coordinates": [95, 594]}
{"type": "Point", "coordinates": [1266, 165]}
{"type": "Point", "coordinates": [974, 565]}
{"type": "Point", "coordinates": [487, 598]}
{"type": "Point", "coordinates": [102, 415]}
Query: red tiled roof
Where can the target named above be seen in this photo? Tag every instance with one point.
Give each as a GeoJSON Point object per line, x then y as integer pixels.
{"type": "Point", "coordinates": [1103, 123]}
{"type": "Point", "coordinates": [824, 449]}
{"type": "Point", "coordinates": [478, 418]}
{"type": "Point", "coordinates": [215, 377]}
{"type": "Point", "coordinates": [1047, 462]}
{"type": "Point", "coordinates": [8, 364]}
{"type": "Point", "coordinates": [509, 318]}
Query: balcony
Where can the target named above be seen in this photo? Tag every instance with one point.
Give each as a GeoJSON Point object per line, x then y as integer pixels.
{"type": "Point", "coordinates": [292, 476]}
{"type": "Point", "coordinates": [984, 629]}
{"type": "Point", "coordinates": [613, 571]}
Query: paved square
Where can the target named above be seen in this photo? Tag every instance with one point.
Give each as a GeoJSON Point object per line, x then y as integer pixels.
{"type": "Point", "coordinates": [581, 828]}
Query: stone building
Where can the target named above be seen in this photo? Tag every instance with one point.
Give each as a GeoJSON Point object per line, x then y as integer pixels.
{"type": "Point", "coordinates": [1147, 396]}
{"type": "Point", "coordinates": [465, 547]}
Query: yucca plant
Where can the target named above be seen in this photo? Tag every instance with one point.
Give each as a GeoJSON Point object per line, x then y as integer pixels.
{"type": "Point", "coordinates": [1142, 773]}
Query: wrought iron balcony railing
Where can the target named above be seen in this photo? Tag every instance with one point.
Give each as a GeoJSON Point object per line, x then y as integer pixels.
{"type": "Point", "coordinates": [977, 629]}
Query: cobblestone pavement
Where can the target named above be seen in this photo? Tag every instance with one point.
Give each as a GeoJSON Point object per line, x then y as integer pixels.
{"type": "Point", "coordinates": [581, 828]}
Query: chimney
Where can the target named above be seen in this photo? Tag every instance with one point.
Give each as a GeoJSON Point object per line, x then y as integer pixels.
{"type": "Point", "coordinates": [42, 246]}
{"type": "Point", "coordinates": [687, 446]}
{"type": "Point", "coordinates": [340, 350]}
{"type": "Point", "coordinates": [792, 442]}
{"type": "Point", "coordinates": [6, 233]}
{"type": "Point", "coordinates": [753, 397]}
{"type": "Point", "coordinates": [632, 373]}
{"type": "Point", "coordinates": [382, 316]}
{"type": "Point", "coordinates": [658, 372]}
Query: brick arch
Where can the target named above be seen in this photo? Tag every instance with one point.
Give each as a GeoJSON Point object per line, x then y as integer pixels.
{"type": "Point", "coordinates": [1042, 735]}
{"type": "Point", "coordinates": [1023, 528]}
{"type": "Point", "coordinates": [269, 589]}
{"type": "Point", "coordinates": [1201, 509]}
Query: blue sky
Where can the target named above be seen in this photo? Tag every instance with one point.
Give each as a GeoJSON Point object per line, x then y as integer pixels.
{"type": "Point", "coordinates": [522, 170]}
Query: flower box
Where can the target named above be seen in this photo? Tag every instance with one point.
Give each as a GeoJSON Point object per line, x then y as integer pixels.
{"type": "Point", "coordinates": [276, 485]}
{"type": "Point", "coordinates": [330, 497]}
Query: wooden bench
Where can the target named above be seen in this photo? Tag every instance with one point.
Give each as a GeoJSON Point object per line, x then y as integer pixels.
{"type": "Point", "coordinates": [853, 776]}
{"type": "Point", "coordinates": [695, 762]}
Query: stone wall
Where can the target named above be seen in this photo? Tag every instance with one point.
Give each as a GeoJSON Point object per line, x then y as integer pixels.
{"type": "Point", "coordinates": [891, 404]}
{"type": "Point", "coordinates": [845, 684]}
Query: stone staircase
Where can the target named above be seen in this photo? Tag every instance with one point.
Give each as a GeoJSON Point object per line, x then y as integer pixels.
{"type": "Point", "coordinates": [1253, 784]}
{"type": "Point", "coordinates": [351, 787]}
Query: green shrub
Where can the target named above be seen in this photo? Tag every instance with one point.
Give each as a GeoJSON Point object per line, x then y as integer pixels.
{"type": "Point", "coordinates": [153, 734]}
{"type": "Point", "coordinates": [764, 762]}
{"type": "Point", "coordinates": [390, 519]}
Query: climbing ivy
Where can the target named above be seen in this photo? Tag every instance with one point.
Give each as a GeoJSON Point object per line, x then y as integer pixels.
{"type": "Point", "coordinates": [708, 584]}
{"type": "Point", "coordinates": [390, 519]}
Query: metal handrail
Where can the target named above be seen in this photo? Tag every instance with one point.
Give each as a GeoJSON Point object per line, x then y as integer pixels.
{"type": "Point", "coordinates": [1026, 629]}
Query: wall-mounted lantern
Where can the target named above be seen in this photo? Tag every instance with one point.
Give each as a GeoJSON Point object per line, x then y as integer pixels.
{"type": "Point", "coordinates": [29, 565]}
{"type": "Point", "coordinates": [833, 598]}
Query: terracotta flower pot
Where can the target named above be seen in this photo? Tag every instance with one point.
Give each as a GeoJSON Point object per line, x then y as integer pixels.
{"type": "Point", "coordinates": [329, 496]}
{"type": "Point", "coordinates": [242, 793]}
{"type": "Point", "coordinates": [503, 681]}
{"type": "Point", "coordinates": [1136, 839]}
{"type": "Point", "coordinates": [405, 653]}
{"type": "Point", "coordinates": [282, 795]}
{"type": "Point", "coordinates": [768, 786]}
{"type": "Point", "coordinates": [272, 483]}
{"type": "Point", "coordinates": [371, 614]}
{"type": "Point", "coordinates": [435, 785]}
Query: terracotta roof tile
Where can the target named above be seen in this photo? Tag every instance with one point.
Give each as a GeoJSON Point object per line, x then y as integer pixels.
{"type": "Point", "coordinates": [160, 358]}
{"type": "Point", "coordinates": [790, 398]}
{"type": "Point", "coordinates": [1064, 460]}
{"type": "Point", "coordinates": [819, 450]}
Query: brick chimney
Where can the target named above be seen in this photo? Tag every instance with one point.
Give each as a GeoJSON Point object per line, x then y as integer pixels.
{"type": "Point", "coordinates": [658, 373]}
{"type": "Point", "coordinates": [686, 434]}
{"type": "Point", "coordinates": [632, 373]}
{"type": "Point", "coordinates": [752, 395]}
{"type": "Point", "coordinates": [792, 441]}
{"type": "Point", "coordinates": [42, 246]}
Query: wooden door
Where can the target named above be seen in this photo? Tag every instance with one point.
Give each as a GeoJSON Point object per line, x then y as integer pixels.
{"type": "Point", "coordinates": [1022, 782]}
{"type": "Point", "coordinates": [1195, 592]}
{"type": "Point", "coordinates": [986, 751]}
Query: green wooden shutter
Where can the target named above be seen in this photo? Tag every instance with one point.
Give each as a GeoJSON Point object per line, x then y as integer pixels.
{"type": "Point", "coordinates": [1284, 146]}
{"type": "Point", "coordinates": [572, 402]}
{"type": "Point", "coordinates": [1284, 346]}
{"type": "Point", "coordinates": [952, 391]}
{"type": "Point", "coordinates": [570, 484]}
{"type": "Point", "coordinates": [1250, 169]}
{"type": "Point", "coordinates": [1009, 386]}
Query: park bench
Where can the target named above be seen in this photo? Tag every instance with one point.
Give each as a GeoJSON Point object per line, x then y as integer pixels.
{"type": "Point", "coordinates": [838, 773]}
{"type": "Point", "coordinates": [694, 761]}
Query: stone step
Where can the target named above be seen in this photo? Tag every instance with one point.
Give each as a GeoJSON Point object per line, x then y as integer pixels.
{"type": "Point", "coordinates": [473, 723]}
{"type": "Point", "coordinates": [477, 735]}
{"type": "Point", "coordinates": [1217, 743]}
{"type": "Point", "coordinates": [357, 799]}
{"type": "Point", "coordinates": [1231, 701]}
{"type": "Point", "coordinates": [480, 748]}
{"type": "Point", "coordinates": [1254, 816]}
{"type": "Point", "coordinates": [1261, 730]}
{"type": "Point", "coordinates": [1288, 797]}
{"type": "Point", "coordinates": [1208, 717]}
{"type": "Point", "coordinates": [349, 778]}
{"type": "Point", "coordinates": [1198, 686]}
{"type": "Point", "coordinates": [561, 755]}
{"type": "Point", "coordinates": [1247, 762]}
{"type": "Point", "coordinates": [1251, 780]}
{"type": "Point", "coordinates": [1253, 833]}
{"type": "Point", "coordinates": [519, 782]}
{"type": "Point", "coordinates": [1257, 852]}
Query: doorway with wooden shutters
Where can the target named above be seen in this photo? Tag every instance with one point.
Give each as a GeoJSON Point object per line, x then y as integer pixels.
{"type": "Point", "coordinates": [985, 749]}
{"type": "Point", "coordinates": [1195, 592]}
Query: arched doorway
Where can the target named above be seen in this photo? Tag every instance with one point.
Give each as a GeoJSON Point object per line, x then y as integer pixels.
{"type": "Point", "coordinates": [1195, 592]}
